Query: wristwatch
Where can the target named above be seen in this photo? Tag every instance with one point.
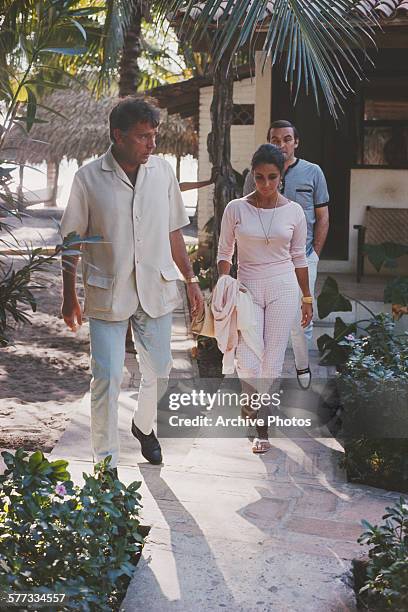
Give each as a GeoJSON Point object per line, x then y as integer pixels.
{"type": "Point", "coordinates": [307, 299]}
{"type": "Point", "coordinates": [192, 279]}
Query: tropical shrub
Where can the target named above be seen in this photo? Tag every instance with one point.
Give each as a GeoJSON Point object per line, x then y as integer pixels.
{"type": "Point", "coordinates": [17, 284]}
{"type": "Point", "coordinates": [373, 387]}
{"type": "Point", "coordinates": [60, 538]}
{"type": "Point", "coordinates": [43, 46]}
{"type": "Point", "coordinates": [386, 573]}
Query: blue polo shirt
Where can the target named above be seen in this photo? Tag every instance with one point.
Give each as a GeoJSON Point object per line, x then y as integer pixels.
{"type": "Point", "coordinates": [305, 184]}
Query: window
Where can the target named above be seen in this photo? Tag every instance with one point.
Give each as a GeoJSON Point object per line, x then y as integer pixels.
{"type": "Point", "coordinates": [243, 114]}
{"type": "Point", "coordinates": [385, 124]}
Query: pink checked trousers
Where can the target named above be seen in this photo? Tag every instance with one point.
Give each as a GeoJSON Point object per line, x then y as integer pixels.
{"type": "Point", "coordinates": [276, 301]}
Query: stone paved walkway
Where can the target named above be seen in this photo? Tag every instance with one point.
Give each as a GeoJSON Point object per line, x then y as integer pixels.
{"type": "Point", "coordinates": [232, 530]}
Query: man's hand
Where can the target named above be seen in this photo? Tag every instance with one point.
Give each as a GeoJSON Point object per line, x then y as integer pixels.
{"type": "Point", "coordinates": [71, 313]}
{"type": "Point", "coordinates": [196, 299]}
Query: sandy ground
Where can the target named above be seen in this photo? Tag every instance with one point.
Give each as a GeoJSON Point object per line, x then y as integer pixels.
{"type": "Point", "coordinates": [42, 372]}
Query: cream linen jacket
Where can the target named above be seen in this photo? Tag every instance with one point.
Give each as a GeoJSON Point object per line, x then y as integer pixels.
{"type": "Point", "coordinates": [134, 261]}
{"type": "Point", "coordinates": [233, 311]}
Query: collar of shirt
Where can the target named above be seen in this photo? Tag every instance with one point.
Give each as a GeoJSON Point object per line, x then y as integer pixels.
{"type": "Point", "coordinates": [109, 164]}
{"type": "Point", "coordinates": [282, 190]}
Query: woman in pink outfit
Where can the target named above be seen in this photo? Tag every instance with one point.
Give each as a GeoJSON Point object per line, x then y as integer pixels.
{"type": "Point", "coordinates": [270, 233]}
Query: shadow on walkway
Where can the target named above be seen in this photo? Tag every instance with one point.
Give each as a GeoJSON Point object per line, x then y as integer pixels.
{"type": "Point", "coordinates": [191, 572]}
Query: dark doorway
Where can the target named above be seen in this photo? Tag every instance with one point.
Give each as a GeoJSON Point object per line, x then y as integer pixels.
{"type": "Point", "coordinates": [328, 145]}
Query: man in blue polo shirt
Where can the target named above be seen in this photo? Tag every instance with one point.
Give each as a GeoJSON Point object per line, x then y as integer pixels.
{"type": "Point", "coordinates": [303, 182]}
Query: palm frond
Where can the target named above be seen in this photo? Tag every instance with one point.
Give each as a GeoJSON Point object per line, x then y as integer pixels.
{"type": "Point", "coordinates": [321, 43]}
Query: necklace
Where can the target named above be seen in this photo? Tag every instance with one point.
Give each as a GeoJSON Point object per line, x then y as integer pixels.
{"type": "Point", "coordinates": [268, 233]}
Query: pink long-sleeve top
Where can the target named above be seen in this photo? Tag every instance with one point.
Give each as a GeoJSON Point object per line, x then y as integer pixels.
{"type": "Point", "coordinates": [256, 259]}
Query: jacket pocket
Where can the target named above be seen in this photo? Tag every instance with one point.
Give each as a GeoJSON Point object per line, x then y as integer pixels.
{"type": "Point", "coordinates": [169, 273]}
{"type": "Point", "coordinates": [169, 290]}
{"type": "Point", "coordinates": [99, 292]}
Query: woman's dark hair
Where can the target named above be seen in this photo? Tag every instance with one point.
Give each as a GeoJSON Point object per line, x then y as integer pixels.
{"type": "Point", "coordinates": [132, 110]}
{"type": "Point", "coordinates": [268, 154]}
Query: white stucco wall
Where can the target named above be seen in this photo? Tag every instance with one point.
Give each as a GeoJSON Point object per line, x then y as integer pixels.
{"type": "Point", "coordinates": [370, 187]}
{"type": "Point", "coordinates": [242, 143]}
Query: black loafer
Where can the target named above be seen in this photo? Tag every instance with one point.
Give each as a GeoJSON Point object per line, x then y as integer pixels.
{"type": "Point", "coordinates": [304, 378]}
{"type": "Point", "coordinates": [150, 445]}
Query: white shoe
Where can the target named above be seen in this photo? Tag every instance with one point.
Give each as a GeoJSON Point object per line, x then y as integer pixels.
{"type": "Point", "coordinates": [260, 446]}
{"type": "Point", "coordinates": [304, 378]}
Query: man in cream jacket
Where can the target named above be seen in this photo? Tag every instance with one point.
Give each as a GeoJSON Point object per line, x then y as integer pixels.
{"type": "Point", "coordinates": [132, 200]}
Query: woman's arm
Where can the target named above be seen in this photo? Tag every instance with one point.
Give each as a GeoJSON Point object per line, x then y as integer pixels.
{"type": "Point", "coordinates": [226, 241]}
{"type": "Point", "coordinates": [298, 253]}
{"type": "Point", "coordinates": [302, 275]}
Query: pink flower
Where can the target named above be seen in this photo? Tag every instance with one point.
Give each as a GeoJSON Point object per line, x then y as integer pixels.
{"type": "Point", "coordinates": [60, 490]}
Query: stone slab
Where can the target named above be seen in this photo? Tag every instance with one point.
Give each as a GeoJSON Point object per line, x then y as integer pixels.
{"type": "Point", "coordinates": [182, 573]}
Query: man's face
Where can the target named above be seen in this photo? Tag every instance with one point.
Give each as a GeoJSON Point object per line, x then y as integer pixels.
{"type": "Point", "coordinates": [137, 143]}
{"type": "Point", "coordinates": [284, 138]}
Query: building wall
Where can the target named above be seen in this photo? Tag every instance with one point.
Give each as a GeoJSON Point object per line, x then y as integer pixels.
{"type": "Point", "coordinates": [242, 145]}
{"type": "Point", "coordinates": [380, 188]}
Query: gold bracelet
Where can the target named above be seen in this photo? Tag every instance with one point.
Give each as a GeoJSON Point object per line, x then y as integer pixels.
{"type": "Point", "coordinates": [307, 299]}
{"type": "Point", "coordinates": [192, 279]}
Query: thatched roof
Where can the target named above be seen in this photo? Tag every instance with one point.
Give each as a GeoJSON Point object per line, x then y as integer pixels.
{"type": "Point", "coordinates": [84, 132]}
{"type": "Point", "coordinates": [384, 9]}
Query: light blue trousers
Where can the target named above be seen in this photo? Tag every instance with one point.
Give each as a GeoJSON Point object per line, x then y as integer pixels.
{"type": "Point", "coordinates": [152, 341]}
{"type": "Point", "coordinates": [302, 336]}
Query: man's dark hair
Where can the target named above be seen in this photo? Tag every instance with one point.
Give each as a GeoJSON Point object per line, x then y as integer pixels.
{"type": "Point", "coordinates": [268, 154]}
{"type": "Point", "coordinates": [282, 123]}
{"type": "Point", "coordinates": [132, 110]}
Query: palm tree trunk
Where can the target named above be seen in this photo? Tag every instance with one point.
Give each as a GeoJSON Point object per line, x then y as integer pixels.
{"type": "Point", "coordinates": [219, 149]}
{"type": "Point", "coordinates": [52, 182]}
{"type": "Point", "coordinates": [178, 168]}
{"type": "Point", "coordinates": [129, 72]}
{"type": "Point", "coordinates": [20, 196]}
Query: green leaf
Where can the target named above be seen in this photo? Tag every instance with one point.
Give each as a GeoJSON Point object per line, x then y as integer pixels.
{"type": "Point", "coordinates": [331, 300]}
{"type": "Point", "coordinates": [342, 329]}
{"type": "Point", "coordinates": [65, 50]}
{"type": "Point", "coordinates": [35, 460]}
{"type": "Point", "coordinates": [31, 108]}
{"type": "Point", "coordinates": [35, 120]}
{"type": "Point", "coordinates": [80, 28]}
{"type": "Point", "coordinates": [396, 291]}
{"type": "Point", "coordinates": [134, 486]}
{"type": "Point", "coordinates": [329, 347]}
{"type": "Point", "coordinates": [367, 525]}
{"type": "Point", "coordinates": [85, 12]}
{"type": "Point", "coordinates": [323, 342]}
{"type": "Point", "coordinates": [8, 459]}
{"type": "Point", "coordinates": [46, 83]}
{"type": "Point", "coordinates": [59, 463]}
{"type": "Point", "coordinates": [384, 254]}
